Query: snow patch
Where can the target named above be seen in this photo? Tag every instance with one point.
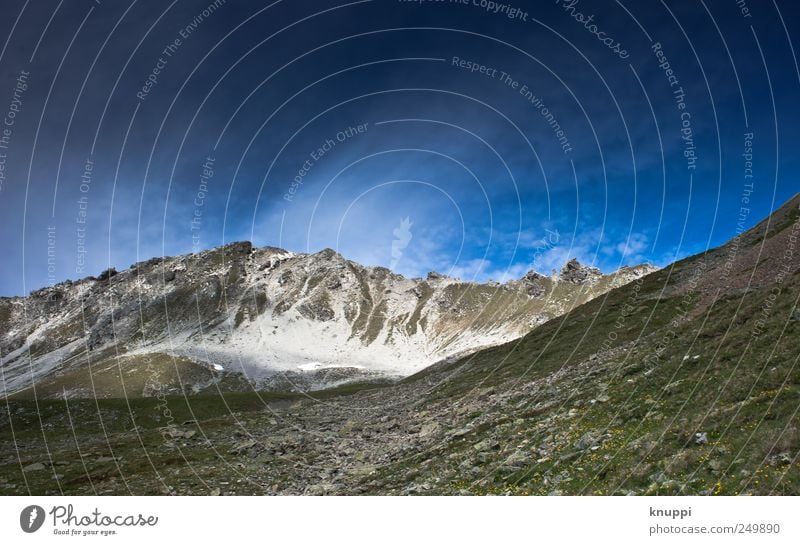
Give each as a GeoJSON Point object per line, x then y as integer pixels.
{"type": "Point", "coordinates": [316, 365]}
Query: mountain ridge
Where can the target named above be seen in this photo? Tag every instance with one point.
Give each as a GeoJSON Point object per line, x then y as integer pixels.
{"type": "Point", "coordinates": [238, 314]}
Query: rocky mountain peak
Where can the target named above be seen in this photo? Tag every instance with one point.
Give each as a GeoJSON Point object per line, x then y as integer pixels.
{"type": "Point", "coordinates": [433, 275]}
{"type": "Point", "coordinates": [329, 253]}
{"type": "Point", "coordinates": [273, 250]}
{"type": "Point", "coordinates": [241, 247]}
{"type": "Point", "coordinates": [576, 273]}
{"type": "Point", "coordinates": [533, 284]}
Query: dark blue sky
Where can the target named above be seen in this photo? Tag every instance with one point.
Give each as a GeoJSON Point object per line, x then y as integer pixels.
{"type": "Point", "coordinates": [326, 124]}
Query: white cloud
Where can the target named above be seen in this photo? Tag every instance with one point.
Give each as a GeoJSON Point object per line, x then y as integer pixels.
{"type": "Point", "coordinates": [367, 232]}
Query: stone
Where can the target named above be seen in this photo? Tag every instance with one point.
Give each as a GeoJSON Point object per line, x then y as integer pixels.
{"type": "Point", "coordinates": [37, 466]}
{"type": "Point", "coordinates": [318, 489]}
{"type": "Point", "coordinates": [517, 460]}
{"type": "Point", "coordinates": [701, 438]}
{"type": "Point", "coordinates": [180, 434]}
{"type": "Point", "coordinates": [363, 471]}
{"type": "Point", "coordinates": [429, 428]}
{"type": "Point", "coordinates": [586, 440]}
{"type": "Point", "coordinates": [462, 432]}
{"type": "Point", "coordinates": [486, 445]}
{"type": "Point", "coordinates": [784, 458]}
{"type": "Point", "coordinates": [244, 446]}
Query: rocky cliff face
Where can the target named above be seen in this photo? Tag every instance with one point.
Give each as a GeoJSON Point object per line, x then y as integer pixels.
{"type": "Point", "coordinates": [238, 314]}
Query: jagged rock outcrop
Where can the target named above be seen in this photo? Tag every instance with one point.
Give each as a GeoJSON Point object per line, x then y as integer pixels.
{"type": "Point", "coordinates": [576, 273]}
{"type": "Point", "coordinates": [533, 284]}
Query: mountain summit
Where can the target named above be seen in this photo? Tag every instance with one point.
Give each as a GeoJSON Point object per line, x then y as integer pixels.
{"type": "Point", "coordinates": [238, 315]}
{"type": "Point", "coordinates": [575, 273]}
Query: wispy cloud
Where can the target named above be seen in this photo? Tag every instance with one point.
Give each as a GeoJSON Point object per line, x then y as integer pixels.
{"type": "Point", "coordinates": [413, 239]}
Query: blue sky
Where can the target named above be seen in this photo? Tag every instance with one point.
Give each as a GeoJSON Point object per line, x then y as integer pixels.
{"type": "Point", "coordinates": [277, 94]}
